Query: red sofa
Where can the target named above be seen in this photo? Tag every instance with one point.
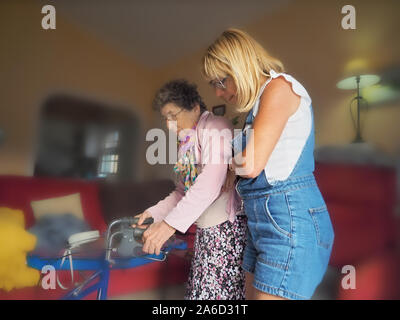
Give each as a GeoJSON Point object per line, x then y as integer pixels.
{"type": "Point", "coordinates": [101, 203]}
{"type": "Point", "coordinates": [361, 200]}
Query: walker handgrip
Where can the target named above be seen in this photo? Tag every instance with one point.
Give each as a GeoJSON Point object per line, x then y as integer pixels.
{"type": "Point", "coordinates": [135, 220]}
{"type": "Point", "coordinates": [138, 233]}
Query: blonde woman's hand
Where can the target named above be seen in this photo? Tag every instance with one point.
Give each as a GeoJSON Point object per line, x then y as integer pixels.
{"type": "Point", "coordinates": [229, 181]}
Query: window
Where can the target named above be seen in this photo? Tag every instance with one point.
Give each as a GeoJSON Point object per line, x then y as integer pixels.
{"type": "Point", "coordinates": [109, 165]}
{"type": "Point", "coordinates": [112, 140]}
{"type": "Point", "coordinates": [110, 158]}
{"type": "Point", "coordinates": [86, 139]}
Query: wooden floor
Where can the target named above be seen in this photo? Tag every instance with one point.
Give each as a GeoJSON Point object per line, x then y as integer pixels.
{"type": "Point", "coordinates": [169, 293]}
{"type": "Point", "coordinates": [326, 290]}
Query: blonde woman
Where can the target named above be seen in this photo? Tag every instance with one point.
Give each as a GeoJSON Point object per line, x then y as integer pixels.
{"type": "Point", "coordinates": [290, 234]}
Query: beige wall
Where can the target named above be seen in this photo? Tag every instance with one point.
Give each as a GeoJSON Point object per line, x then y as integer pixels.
{"type": "Point", "coordinates": [36, 63]}
{"type": "Point", "coordinates": [309, 40]}
{"type": "Point", "coordinates": [316, 50]}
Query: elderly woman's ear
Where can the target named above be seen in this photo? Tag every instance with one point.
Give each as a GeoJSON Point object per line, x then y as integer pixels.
{"type": "Point", "coordinates": [196, 112]}
{"type": "Point", "coordinates": [197, 109]}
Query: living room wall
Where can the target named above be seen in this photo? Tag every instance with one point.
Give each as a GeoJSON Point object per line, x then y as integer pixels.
{"type": "Point", "coordinates": [37, 63]}
{"type": "Point", "coordinates": [306, 36]}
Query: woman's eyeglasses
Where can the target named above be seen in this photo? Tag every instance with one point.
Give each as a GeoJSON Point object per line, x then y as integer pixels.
{"type": "Point", "coordinates": [171, 117]}
{"type": "Point", "coordinates": [220, 84]}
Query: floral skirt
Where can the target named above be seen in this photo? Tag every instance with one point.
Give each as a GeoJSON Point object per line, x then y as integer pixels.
{"type": "Point", "coordinates": [216, 271]}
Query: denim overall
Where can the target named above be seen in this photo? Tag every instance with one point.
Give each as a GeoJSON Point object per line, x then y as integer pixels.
{"type": "Point", "coordinates": [290, 235]}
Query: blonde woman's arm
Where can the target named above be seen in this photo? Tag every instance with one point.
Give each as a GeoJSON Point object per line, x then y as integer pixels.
{"type": "Point", "coordinates": [277, 104]}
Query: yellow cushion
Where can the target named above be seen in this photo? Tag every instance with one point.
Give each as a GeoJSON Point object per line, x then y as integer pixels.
{"type": "Point", "coordinates": [15, 242]}
{"type": "Point", "coordinates": [59, 205]}
{"type": "Point", "coordinates": [12, 216]}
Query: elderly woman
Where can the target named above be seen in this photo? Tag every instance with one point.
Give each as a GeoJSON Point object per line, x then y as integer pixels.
{"type": "Point", "coordinates": [290, 232]}
{"type": "Point", "coordinates": [203, 155]}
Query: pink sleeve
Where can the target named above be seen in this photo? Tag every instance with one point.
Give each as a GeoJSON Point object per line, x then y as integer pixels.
{"type": "Point", "coordinates": [198, 198]}
{"type": "Point", "coordinates": [163, 207]}
{"type": "Point", "coordinates": [209, 182]}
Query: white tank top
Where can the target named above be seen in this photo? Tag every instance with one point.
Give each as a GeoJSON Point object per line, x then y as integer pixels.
{"type": "Point", "coordinates": [294, 136]}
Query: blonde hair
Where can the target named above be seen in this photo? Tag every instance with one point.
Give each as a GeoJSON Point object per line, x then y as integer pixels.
{"type": "Point", "coordinates": [239, 56]}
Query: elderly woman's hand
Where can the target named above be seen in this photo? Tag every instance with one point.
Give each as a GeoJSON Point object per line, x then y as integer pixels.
{"type": "Point", "coordinates": [155, 237]}
{"type": "Point", "coordinates": [142, 217]}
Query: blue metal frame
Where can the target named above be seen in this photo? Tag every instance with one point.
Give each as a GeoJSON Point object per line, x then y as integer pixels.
{"type": "Point", "coordinates": [102, 265]}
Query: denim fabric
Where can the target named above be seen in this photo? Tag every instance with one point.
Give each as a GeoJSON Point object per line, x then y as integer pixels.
{"type": "Point", "coordinates": [290, 234]}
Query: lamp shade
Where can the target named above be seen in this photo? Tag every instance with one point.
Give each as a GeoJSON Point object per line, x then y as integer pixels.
{"type": "Point", "coordinates": [350, 83]}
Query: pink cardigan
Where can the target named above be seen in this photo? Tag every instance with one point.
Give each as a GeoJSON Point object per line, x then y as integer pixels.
{"type": "Point", "coordinates": [181, 210]}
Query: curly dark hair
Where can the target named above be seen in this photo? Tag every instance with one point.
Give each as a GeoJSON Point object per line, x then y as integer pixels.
{"type": "Point", "coordinates": [179, 92]}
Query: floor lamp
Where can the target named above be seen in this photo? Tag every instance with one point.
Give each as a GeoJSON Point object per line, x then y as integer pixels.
{"type": "Point", "coordinates": [358, 82]}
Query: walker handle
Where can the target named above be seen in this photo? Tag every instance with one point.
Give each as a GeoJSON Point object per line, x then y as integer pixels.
{"type": "Point", "coordinates": [135, 220]}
